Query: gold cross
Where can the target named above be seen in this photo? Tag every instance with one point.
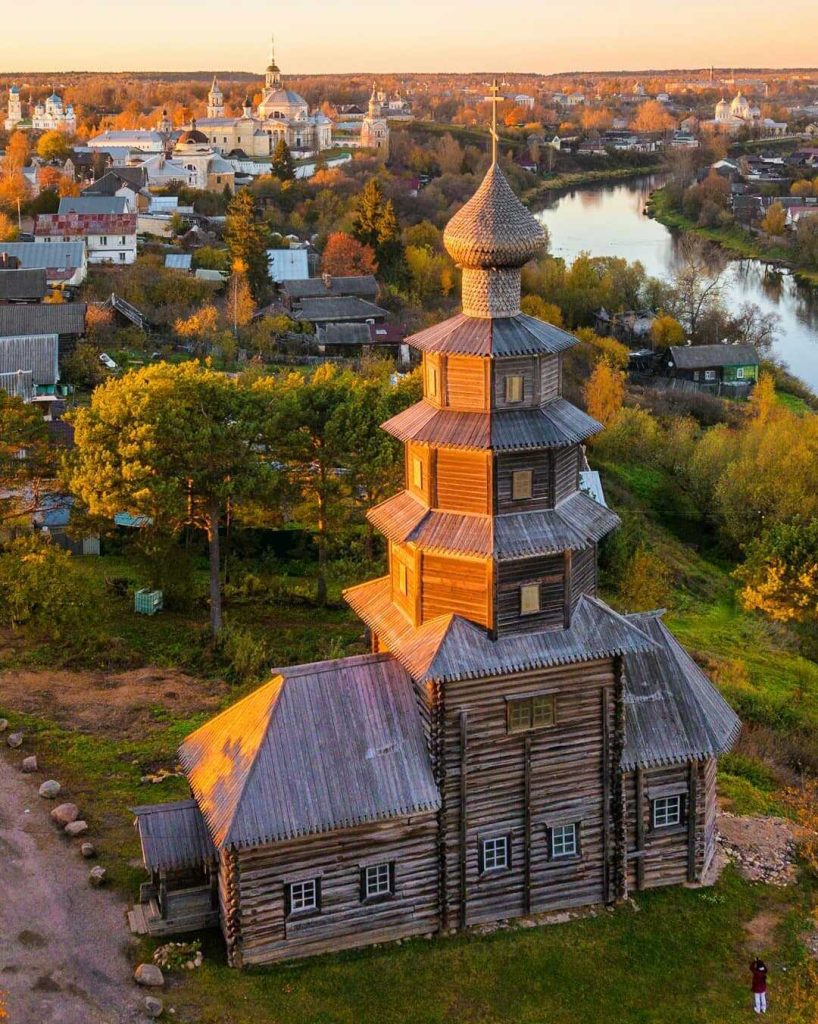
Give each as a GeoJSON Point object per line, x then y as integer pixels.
{"type": "Point", "coordinates": [494, 99]}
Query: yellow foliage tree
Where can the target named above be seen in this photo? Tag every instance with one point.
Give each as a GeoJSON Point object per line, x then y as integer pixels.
{"type": "Point", "coordinates": [8, 229]}
{"type": "Point", "coordinates": [802, 187]}
{"type": "Point", "coordinates": [604, 392]}
{"type": "Point", "coordinates": [775, 220]}
{"type": "Point", "coordinates": [200, 326]}
{"type": "Point", "coordinates": [763, 402]}
{"type": "Point", "coordinates": [652, 117]}
{"type": "Point", "coordinates": [645, 584]}
{"type": "Point", "coordinates": [666, 330]}
{"type": "Point", "coordinates": [535, 305]}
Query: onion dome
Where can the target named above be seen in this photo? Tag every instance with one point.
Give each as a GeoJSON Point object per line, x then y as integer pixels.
{"type": "Point", "coordinates": [192, 137]}
{"type": "Point", "coordinates": [491, 237]}
{"type": "Point", "coordinates": [493, 229]}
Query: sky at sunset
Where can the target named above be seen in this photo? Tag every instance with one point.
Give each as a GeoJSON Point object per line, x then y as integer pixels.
{"type": "Point", "coordinates": [395, 35]}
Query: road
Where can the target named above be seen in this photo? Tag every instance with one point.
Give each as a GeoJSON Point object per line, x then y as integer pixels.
{"type": "Point", "coordinates": [62, 943]}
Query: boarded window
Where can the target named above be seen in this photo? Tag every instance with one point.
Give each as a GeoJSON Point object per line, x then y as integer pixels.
{"type": "Point", "coordinates": [417, 472]}
{"type": "Point", "coordinates": [403, 578]}
{"type": "Point", "coordinates": [525, 713]}
{"type": "Point", "coordinates": [495, 854]}
{"type": "Point", "coordinates": [522, 484]}
{"type": "Point", "coordinates": [432, 388]}
{"type": "Point", "coordinates": [564, 841]}
{"type": "Point", "coordinates": [529, 599]}
{"type": "Point", "coordinates": [514, 388]}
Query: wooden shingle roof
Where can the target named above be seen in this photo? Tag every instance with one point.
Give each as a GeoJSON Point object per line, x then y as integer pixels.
{"type": "Point", "coordinates": [518, 335]}
{"type": "Point", "coordinates": [173, 836]}
{"type": "Point", "coordinates": [673, 713]}
{"type": "Point", "coordinates": [321, 747]}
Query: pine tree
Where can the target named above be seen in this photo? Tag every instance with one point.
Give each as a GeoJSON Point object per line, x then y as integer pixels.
{"type": "Point", "coordinates": [366, 226]}
{"type": "Point", "coordinates": [389, 250]}
{"type": "Point", "coordinates": [246, 238]}
{"type": "Point", "coordinates": [283, 167]}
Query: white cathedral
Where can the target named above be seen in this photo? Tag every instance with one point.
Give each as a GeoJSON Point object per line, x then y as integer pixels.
{"type": "Point", "coordinates": [281, 114]}
{"type": "Point", "coordinates": [46, 115]}
{"type": "Point", "coordinates": [738, 113]}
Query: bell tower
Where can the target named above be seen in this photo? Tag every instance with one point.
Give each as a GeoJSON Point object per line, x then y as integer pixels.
{"type": "Point", "coordinates": [272, 77]}
{"type": "Point", "coordinates": [215, 100]}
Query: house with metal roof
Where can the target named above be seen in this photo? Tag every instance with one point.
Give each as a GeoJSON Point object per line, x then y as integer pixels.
{"type": "Point", "coordinates": [23, 285]}
{"type": "Point", "coordinates": [108, 237]}
{"type": "Point", "coordinates": [512, 745]}
{"type": "Point", "coordinates": [65, 263]}
{"type": "Point", "coordinates": [721, 369]}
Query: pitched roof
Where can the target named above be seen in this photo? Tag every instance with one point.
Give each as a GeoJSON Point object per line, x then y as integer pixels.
{"type": "Point", "coordinates": [346, 307]}
{"type": "Point", "coordinates": [42, 318]}
{"type": "Point", "coordinates": [344, 334]}
{"type": "Point", "coordinates": [92, 204]}
{"type": "Point", "coordinates": [673, 712]}
{"type": "Point", "coordinates": [22, 284]}
{"type": "Point", "coordinates": [81, 224]}
{"type": "Point", "coordinates": [700, 357]}
{"type": "Point", "coordinates": [173, 836]}
{"type": "Point", "coordinates": [37, 354]}
{"type": "Point", "coordinates": [322, 746]}
{"type": "Point", "coordinates": [450, 647]}
{"type": "Point", "coordinates": [517, 335]}
{"type": "Point", "coordinates": [556, 424]}
{"type": "Point", "coordinates": [133, 178]}
{"type": "Point", "coordinates": [364, 286]}
{"type": "Point", "coordinates": [50, 256]}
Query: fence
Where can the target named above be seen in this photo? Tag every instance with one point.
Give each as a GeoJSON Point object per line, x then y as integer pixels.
{"type": "Point", "coordinates": [721, 389]}
{"type": "Point", "coordinates": [18, 384]}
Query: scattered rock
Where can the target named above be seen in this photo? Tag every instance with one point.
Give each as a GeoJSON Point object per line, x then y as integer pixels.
{"type": "Point", "coordinates": [96, 876]}
{"type": "Point", "coordinates": [65, 814]}
{"type": "Point", "coordinates": [762, 848]}
{"type": "Point", "coordinates": [29, 764]}
{"type": "Point", "coordinates": [4, 724]}
{"type": "Point", "coordinates": [88, 850]}
{"type": "Point", "coordinates": [76, 828]}
{"type": "Point", "coordinates": [148, 975]}
{"type": "Point", "coordinates": [15, 739]}
{"type": "Point", "coordinates": [50, 789]}
{"type": "Point", "coordinates": [153, 1007]}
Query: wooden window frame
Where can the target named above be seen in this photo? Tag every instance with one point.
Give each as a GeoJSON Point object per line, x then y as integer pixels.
{"type": "Point", "coordinates": [495, 868]}
{"type": "Point", "coordinates": [383, 894]}
{"type": "Point", "coordinates": [525, 477]}
{"type": "Point", "coordinates": [403, 579]}
{"type": "Point", "coordinates": [432, 381]}
{"type": "Point", "coordinates": [527, 704]}
{"type": "Point", "coordinates": [291, 911]}
{"type": "Point", "coordinates": [576, 853]}
{"type": "Point", "coordinates": [666, 825]}
{"type": "Point", "coordinates": [417, 472]}
{"type": "Point", "coordinates": [530, 588]}
{"type": "Point", "coordinates": [510, 383]}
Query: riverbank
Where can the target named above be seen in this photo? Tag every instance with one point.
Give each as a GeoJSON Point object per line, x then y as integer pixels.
{"type": "Point", "coordinates": [576, 179]}
{"type": "Point", "coordinates": [734, 239]}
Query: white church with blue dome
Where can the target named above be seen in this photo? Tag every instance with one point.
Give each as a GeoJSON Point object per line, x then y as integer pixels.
{"type": "Point", "coordinates": [46, 115]}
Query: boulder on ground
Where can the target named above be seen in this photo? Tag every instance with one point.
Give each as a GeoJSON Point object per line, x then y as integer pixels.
{"type": "Point", "coordinates": [148, 975]}
{"type": "Point", "coordinates": [88, 850]}
{"type": "Point", "coordinates": [65, 813]}
{"type": "Point", "coordinates": [29, 764]}
{"type": "Point", "coordinates": [50, 789]}
{"type": "Point", "coordinates": [96, 876]}
{"type": "Point", "coordinates": [15, 739]}
{"type": "Point", "coordinates": [153, 1007]}
{"type": "Point", "coordinates": [4, 724]}
{"type": "Point", "coordinates": [76, 828]}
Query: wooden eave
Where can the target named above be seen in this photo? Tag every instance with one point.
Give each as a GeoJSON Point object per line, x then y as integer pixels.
{"type": "Point", "coordinates": [518, 335]}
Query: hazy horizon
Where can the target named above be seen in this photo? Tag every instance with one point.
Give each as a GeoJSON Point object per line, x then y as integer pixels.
{"type": "Point", "coordinates": [430, 36]}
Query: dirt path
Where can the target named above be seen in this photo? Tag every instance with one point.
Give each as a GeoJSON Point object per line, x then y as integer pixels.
{"type": "Point", "coordinates": [62, 943]}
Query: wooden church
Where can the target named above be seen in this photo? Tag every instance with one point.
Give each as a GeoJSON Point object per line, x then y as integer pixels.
{"type": "Point", "coordinates": [512, 745]}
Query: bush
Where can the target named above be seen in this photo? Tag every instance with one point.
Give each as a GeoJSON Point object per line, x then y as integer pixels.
{"type": "Point", "coordinates": [247, 657]}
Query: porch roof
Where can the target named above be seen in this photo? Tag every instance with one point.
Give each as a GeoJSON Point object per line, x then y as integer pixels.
{"type": "Point", "coordinates": [173, 836]}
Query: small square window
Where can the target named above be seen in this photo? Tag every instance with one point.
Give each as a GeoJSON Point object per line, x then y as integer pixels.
{"type": "Point", "coordinates": [529, 599]}
{"type": "Point", "coordinates": [403, 578]}
{"type": "Point", "coordinates": [377, 881]}
{"type": "Point", "coordinates": [417, 472]}
{"type": "Point", "coordinates": [303, 897]}
{"type": "Point", "coordinates": [495, 854]}
{"type": "Point", "coordinates": [667, 811]}
{"type": "Point", "coordinates": [740, 373]}
{"type": "Point", "coordinates": [526, 713]}
{"type": "Point", "coordinates": [522, 484]}
{"type": "Point", "coordinates": [564, 841]}
{"type": "Point", "coordinates": [514, 388]}
{"type": "Point", "coordinates": [709, 374]}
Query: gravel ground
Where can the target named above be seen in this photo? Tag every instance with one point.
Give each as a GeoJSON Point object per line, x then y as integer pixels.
{"type": "Point", "coordinates": [62, 943]}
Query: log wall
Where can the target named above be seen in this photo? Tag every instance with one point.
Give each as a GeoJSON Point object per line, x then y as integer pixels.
{"type": "Point", "coordinates": [456, 585]}
{"type": "Point", "coordinates": [549, 573]}
{"type": "Point", "coordinates": [344, 921]}
{"type": "Point", "coordinates": [463, 481]}
{"type": "Point", "coordinates": [539, 462]}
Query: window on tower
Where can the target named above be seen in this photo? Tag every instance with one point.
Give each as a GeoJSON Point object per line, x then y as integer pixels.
{"type": "Point", "coordinates": [403, 578]}
{"type": "Point", "coordinates": [529, 598]}
{"type": "Point", "coordinates": [522, 484]}
{"type": "Point", "coordinates": [417, 472]}
{"type": "Point", "coordinates": [514, 388]}
{"type": "Point", "coordinates": [431, 381]}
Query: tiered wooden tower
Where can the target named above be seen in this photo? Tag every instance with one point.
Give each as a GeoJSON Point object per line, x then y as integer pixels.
{"type": "Point", "coordinates": [491, 525]}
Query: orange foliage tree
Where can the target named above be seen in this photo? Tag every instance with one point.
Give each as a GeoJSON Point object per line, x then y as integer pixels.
{"type": "Point", "coordinates": [604, 392]}
{"type": "Point", "coordinates": [344, 256]}
{"type": "Point", "coordinates": [652, 117]}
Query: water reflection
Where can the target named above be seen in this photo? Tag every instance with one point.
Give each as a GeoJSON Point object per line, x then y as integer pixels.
{"type": "Point", "coordinates": [608, 220]}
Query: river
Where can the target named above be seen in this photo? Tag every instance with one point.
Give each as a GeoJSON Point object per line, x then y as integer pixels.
{"type": "Point", "coordinates": [608, 220]}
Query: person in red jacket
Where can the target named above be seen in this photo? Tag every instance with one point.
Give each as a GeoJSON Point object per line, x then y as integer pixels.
{"type": "Point", "coordinates": [759, 987]}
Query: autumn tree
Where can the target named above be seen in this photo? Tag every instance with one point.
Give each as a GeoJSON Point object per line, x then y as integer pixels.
{"type": "Point", "coordinates": [246, 237]}
{"type": "Point", "coordinates": [282, 166]}
{"type": "Point", "coordinates": [27, 465]}
{"type": "Point", "coordinates": [774, 221]}
{"type": "Point", "coordinates": [179, 444]}
{"type": "Point", "coordinates": [652, 117]}
{"type": "Point", "coordinates": [696, 286]}
{"type": "Point", "coordinates": [666, 331]}
{"type": "Point", "coordinates": [763, 401]}
{"type": "Point", "coordinates": [803, 188]}
{"type": "Point", "coordinates": [604, 392]}
{"type": "Point", "coordinates": [449, 154]}
{"type": "Point", "coordinates": [345, 256]}
{"type": "Point", "coordinates": [535, 305]}
{"type": "Point", "coordinates": [53, 145]}
{"type": "Point", "coordinates": [780, 573]}
{"type": "Point", "coordinates": [18, 152]}
{"type": "Point", "coordinates": [806, 240]}
{"type": "Point", "coordinates": [240, 307]}
{"type": "Point", "coordinates": [596, 119]}
{"type": "Point", "coordinates": [8, 229]}
{"type": "Point", "coordinates": [200, 327]}
{"type": "Point", "coordinates": [645, 583]}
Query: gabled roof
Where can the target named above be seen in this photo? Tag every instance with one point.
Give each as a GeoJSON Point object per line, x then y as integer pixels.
{"type": "Point", "coordinates": [347, 307]}
{"type": "Point", "coordinates": [450, 647]}
{"type": "Point", "coordinates": [42, 318]}
{"type": "Point", "coordinates": [323, 746]}
{"type": "Point", "coordinates": [50, 256]}
{"type": "Point", "coordinates": [673, 712]}
{"type": "Point", "coordinates": [556, 424]}
{"type": "Point", "coordinates": [344, 334]}
{"type": "Point", "coordinates": [364, 286]}
{"type": "Point", "coordinates": [700, 357]}
{"type": "Point", "coordinates": [36, 354]}
{"type": "Point", "coordinates": [518, 335]}
{"type": "Point", "coordinates": [173, 836]}
{"type": "Point", "coordinates": [81, 224]}
{"type": "Point", "coordinates": [92, 204]}
{"type": "Point", "coordinates": [22, 284]}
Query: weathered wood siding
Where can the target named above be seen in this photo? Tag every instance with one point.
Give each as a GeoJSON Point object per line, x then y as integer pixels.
{"type": "Point", "coordinates": [550, 378]}
{"type": "Point", "coordinates": [344, 921]}
{"type": "Point", "coordinates": [566, 472]}
{"type": "Point", "coordinates": [433, 378]}
{"type": "Point", "coordinates": [549, 574]}
{"type": "Point", "coordinates": [583, 574]}
{"type": "Point", "coordinates": [400, 554]}
{"type": "Point", "coordinates": [463, 481]}
{"type": "Point", "coordinates": [459, 585]}
{"type": "Point", "coordinates": [525, 367]}
{"type": "Point", "coordinates": [539, 462]}
{"type": "Point", "coordinates": [708, 795]}
{"type": "Point", "coordinates": [426, 456]}
{"type": "Point", "coordinates": [517, 784]}
{"type": "Point", "coordinates": [467, 383]}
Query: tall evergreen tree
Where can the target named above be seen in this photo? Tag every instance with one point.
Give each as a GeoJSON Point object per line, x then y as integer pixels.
{"type": "Point", "coordinates": [283, 167]}
{"type": "Point", "coordinates": [369, 210]}
{"type": "Point", "coordinates": [389, 250]}
{"type": "Point", "coordinates": [246, 238]}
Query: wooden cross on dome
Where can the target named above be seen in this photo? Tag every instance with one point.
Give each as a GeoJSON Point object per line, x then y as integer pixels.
{"type": "Point", "coordinates": [494, 99]}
